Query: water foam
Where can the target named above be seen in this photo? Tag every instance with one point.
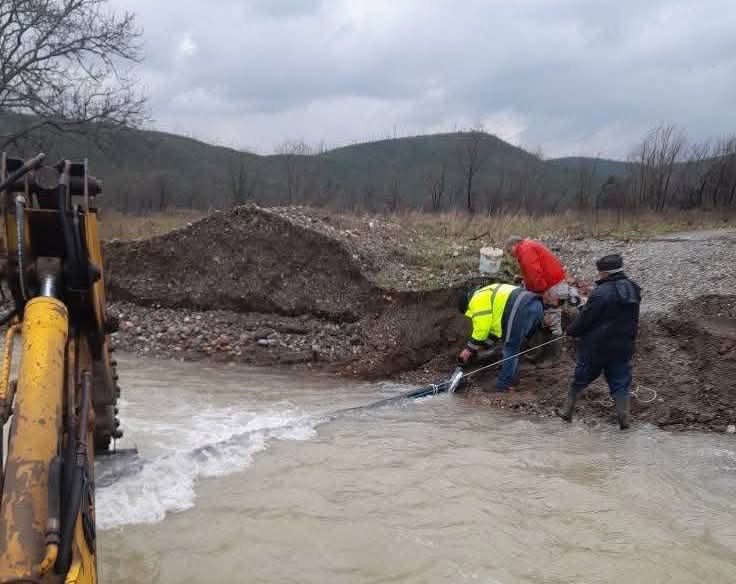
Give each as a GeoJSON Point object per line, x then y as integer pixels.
{"type": "Point", "coordinates": [210, 443]}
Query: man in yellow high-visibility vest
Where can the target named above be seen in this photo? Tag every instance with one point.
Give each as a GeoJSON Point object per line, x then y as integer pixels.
{"type": "Point", "coordinates": [505, 313]}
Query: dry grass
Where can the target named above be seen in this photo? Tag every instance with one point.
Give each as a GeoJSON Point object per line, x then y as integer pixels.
{"type": "Point", "coordinates": [497, 228]}
{"type": "Point", "coordinates": [117, 225]}
{"type": "Point", "coordinates": [413, 249]}
{"type": "Point", "coordinates": [441, 248]}
{"type": "Point", "coordinates": [456, 226]}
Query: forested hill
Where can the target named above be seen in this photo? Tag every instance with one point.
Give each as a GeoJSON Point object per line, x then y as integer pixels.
{"type": "Point", "coordinates": [149, 170]}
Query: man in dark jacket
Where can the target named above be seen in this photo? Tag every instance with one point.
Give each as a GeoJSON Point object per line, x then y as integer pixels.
{"type": "Point", "coordinates": [606, 329]}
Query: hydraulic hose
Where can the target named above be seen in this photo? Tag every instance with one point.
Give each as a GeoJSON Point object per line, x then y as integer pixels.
{"type": "Point", "coordinates": [20, 227]}
{"type": "Point", "coordinates": [72, 260]}
{"type": "Point", "coordinates": [82, 266]}
{"type": "Point", "coordinates": [5, 369]}
{"type": "Point", "coordinates": [28, 166]}
{"type": "Point", "coordinates": [79, 478]}
{"type": "Point", "coordinates": [20, 202]}
{"type": "Point", "coordinates": [436, 388]}
{"type": "Point", "coordinates": [53, 522]}
{"type": "Point", "coordinates": [7, 391]}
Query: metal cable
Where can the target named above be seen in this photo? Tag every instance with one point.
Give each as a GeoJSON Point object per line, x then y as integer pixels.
{"type": "Point", "coordinates": [519, 354]}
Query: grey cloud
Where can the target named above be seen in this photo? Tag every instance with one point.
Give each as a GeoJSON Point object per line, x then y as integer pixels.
{"type": "Point", "coordinates": [572, 76]}
{"type": "Point", "coordinates": [286, 8]}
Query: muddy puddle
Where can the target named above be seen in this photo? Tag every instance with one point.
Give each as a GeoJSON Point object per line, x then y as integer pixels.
{"type": "Point", "coordinates": [241, 479]}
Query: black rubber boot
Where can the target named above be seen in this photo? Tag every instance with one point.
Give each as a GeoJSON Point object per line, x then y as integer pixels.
{"type": "Point", "coordinates": [623, 406]}
{"type": "Point", "coordinates": [567, 409]}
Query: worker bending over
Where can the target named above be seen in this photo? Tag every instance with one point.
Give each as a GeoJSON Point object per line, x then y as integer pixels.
{"type": "Point", "coordinates": [606, 328]}
{"type": "Point", "coordinates": [544, 274]}
{"type": "Point", "coordinates": [500, 312]}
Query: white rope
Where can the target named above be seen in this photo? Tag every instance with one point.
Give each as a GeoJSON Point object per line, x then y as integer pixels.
{"type": "Point", "coordinates": [608, 400]}
{"type": "Point", "coordinates": [519, 354]}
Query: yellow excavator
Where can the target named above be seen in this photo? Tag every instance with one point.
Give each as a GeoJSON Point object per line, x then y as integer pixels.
{"type": "Point", "coordinates": [61, 408]}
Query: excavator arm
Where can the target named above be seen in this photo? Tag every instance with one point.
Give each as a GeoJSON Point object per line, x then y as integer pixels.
{"type": "Point", "coordinates": [61, 409]}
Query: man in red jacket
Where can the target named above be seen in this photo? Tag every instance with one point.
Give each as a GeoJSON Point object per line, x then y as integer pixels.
{"type": "Point", "coordinates": [543, 274]}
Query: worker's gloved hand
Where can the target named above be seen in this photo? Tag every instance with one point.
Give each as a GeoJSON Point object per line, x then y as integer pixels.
{"type": "Point", "coordinates": [465, 356]}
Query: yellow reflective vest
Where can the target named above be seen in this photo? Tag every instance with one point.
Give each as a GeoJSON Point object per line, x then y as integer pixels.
{"type": "Point", "coordinates": [486, 308]}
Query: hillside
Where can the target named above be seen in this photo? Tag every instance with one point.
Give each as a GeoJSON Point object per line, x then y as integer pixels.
{"type": "Point", "coordinates": [149, 170]}
{"type": "Point", "coordinates": [603, 167]}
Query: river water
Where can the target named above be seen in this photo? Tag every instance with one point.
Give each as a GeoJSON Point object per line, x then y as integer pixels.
{"type": "Point", "coordinates": [243, 477]}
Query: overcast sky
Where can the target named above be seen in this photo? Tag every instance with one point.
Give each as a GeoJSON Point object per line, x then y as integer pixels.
{"type": "Point", "coordinates": [569, 76]}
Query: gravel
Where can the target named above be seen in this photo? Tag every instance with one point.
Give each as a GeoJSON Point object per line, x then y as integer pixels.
{"type": "Point", "coordinates": [670, 269]}
{"type": "Point", "coordinates": [224, 335]}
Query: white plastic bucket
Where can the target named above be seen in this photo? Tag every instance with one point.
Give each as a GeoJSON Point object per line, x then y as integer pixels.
{"type": "Point", "coordinates": [490, 260]}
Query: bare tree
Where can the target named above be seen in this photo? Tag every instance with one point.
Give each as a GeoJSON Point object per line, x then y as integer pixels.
{"type": "Point", "coordinates": [471, 162]}
{"type": "Point", "coordinates": [657, 157]}
{"type": "Point", "coordinates": [369, 197]}
{"type": "Point", "coordinates": [293, 153]}
{"type": "Point", "coordinates": [722, 180]}
{"type": "Point", "coordinates": [162, 182]}
{"type": "Point", "coordinates": [496, 194]}
{"type": "Point", "coordinates": [531, 181]}
{"type": "Point", "coordinates": [242, 178]}
{"type": "Point", "coordinates": [436, 184]}
{"type": "Point", "coordinates": [66, 63]}
{"type": "Point", "coordinates": [584, 183]}
{"type": "Point", "coordinates": [613, 195]}
{"type": "Point", "coordinates": [393, 196]}
{"type": "Point", "coordinates": [695, 174]}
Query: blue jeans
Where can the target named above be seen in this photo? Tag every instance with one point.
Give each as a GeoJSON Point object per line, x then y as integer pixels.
{"type": "Point", "coordinates": [616, 371]}
{"type": "Point", "coordinates": [527, 319]}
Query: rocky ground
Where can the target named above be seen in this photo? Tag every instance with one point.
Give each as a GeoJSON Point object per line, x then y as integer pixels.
{"type": "Point", "coordinates": [289, 287]}
{"type": "Point", "coordinates": [670, 269]}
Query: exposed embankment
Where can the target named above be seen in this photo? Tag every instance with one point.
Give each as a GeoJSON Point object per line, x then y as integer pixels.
{"type": "Point", "coordinates": [684, 372]}
{"type": "Point", "coordinates": [252, 286]}
{"type": "Point", "coordinates": [259, 287]}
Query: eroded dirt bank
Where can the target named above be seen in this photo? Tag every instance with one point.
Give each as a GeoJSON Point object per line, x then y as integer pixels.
{"type": "Point", "coordinates": [253, 286]}
{"type": "Point", "coordinates": [278, 288]}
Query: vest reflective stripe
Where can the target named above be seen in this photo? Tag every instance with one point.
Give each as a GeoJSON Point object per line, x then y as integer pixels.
{"type": "Point", "coordinates": [486, 308]}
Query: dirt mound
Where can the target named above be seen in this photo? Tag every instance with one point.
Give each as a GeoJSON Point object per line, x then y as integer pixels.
{"type": "Point", "coordinates": [247, 260]}
{"type": "Point", "coordinates": [703, 332]}
{"type": "Point", "coordinates": [415, 328]}
{"type": "Point", "coordinates": [228, 285]}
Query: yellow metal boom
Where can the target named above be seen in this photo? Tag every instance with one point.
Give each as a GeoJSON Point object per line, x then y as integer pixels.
{"type": "Point", "coordinates": [61, 408]}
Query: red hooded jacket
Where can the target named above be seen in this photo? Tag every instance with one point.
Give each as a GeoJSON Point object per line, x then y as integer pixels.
{"type": "Point", "coordinates": [540, 268]}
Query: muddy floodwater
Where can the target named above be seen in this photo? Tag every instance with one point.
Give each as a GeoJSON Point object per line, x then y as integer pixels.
{"type": "Point", "coordinates": [243, 477]}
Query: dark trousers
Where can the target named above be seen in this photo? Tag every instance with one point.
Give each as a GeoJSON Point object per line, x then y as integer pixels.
{"type": "Point", "coordinates": [526, 320]}
{"type": "Point", "coordinates": [616, 371]}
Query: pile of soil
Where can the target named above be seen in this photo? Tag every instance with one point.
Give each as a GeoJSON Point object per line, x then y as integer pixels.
{"type": "Point", "coordinates": [263, 288]}
{"type": "Point", "coordinates": [253, 286]}
{"type": "Point", "coordinates": [247, 260]}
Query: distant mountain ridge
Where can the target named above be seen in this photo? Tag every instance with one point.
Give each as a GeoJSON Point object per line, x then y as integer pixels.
{"type": "Point", "coordinates": [144, 169]}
